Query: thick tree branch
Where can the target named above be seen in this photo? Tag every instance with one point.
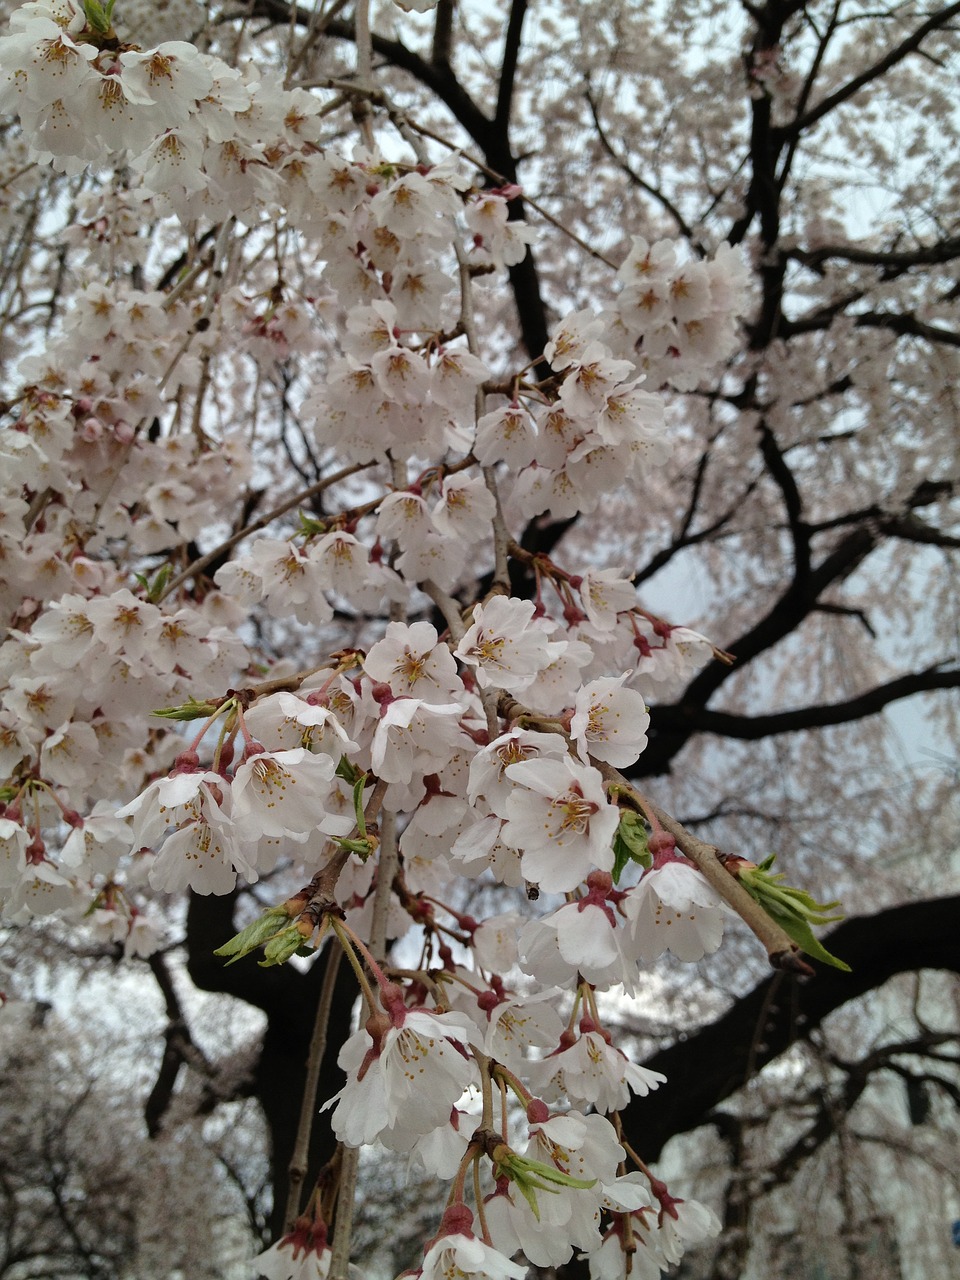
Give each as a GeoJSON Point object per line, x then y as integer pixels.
{"type": "Point", "coordinates": [750, 728]}
{"type": "Point", "coordinates": [891, 262]}
{"type": "Point", "coordinates": [715, 1062]}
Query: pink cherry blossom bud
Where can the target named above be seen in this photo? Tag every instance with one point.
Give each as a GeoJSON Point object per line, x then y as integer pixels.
{"type": "Point", "coordinates": [537, 1111]}
{"type": "Point", "coordinates": [600, 881]}
{"type": "Point", "coordinates": [124, 432]}
{"type": "Point", "coordinates": [457, 1220]}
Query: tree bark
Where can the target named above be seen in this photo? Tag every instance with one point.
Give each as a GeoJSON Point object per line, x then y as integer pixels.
{"type": "Point", "coordinates": [716, 1061]}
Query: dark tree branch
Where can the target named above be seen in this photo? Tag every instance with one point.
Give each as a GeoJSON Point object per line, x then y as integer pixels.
{"type": "Point", "coordinates": [671, 727]}
{"type": "Point", "coordinates": [683, 538]}
{"type": "Point", "coordinates": [890, 262]}
{"type": "Point", "coordinates": [443, 34]}
{"type": "Point", "coordinates": [625, 167]}
{"type": "Point", "coordinates": [809, 81]}
{"type": "Point", "coordinates": [902, 324]}
{"type": "Point", "coordinates": [508, 67]}
{"type": "Point", "coordinates": [906, 46]}
{"type": "Point", "coordinates": [715, 1062]}
{"type": "Point", "coordinates": [750, 728]}
{"type": "Point", "coordinates": [828, 1107]}
{"type": "Point", "coordinates": [847, 611]}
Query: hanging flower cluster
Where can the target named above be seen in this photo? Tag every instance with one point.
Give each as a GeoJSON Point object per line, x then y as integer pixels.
{"type": "Point", "coordinates": [490, 730]}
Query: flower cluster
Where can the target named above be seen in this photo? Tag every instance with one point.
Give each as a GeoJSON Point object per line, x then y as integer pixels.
{"type": "Point", "coordinates": [155, 547]}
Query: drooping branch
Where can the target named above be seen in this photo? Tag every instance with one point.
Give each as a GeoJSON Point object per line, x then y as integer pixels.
{"type": "Point", "coordinates": [858, 1076]}
{"type": "Point", "coordinates": [672, 726]}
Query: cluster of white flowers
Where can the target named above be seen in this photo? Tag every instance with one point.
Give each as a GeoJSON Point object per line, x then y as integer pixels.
{"type": "Point", "coordinates": [493, 742]}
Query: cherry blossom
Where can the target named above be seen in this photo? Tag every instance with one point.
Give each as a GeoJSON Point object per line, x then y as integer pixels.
{"type": "Point", "coordinates": [559, 816]}
{"type": "Point", "coordinates": [504, 645]}
{"type": "Point", "coordinates": [673, 908]}
{"type": "Point", "coordinates": [413, 1069]}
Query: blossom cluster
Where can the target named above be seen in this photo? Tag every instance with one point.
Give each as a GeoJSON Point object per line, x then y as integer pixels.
{"type": "Point", "coordinates": [491, 734]}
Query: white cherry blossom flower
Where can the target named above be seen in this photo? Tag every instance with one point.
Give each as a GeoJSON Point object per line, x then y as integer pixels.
{"type": "Point", "coordinates": [505, 645]}
{"type": "Point", "coordinates": [610, 721]}
{"type": "Point", "coordinates": [281, 793]}
{"type": "Point", "coordinates": [203, 851]}
{"type": "Point", "coordinates": [592, 1072]}
{"type": "Point", "coordinates": [571, 337]}
{"type": "Point", "coordinates": [581, 937]}
{"type": "Point", "coordinates": [67, 755]}
{"type": "Point", "coordinates": [411, 660]}
{"type": "Point", "coordinates": [14, 841]}
{"type": "Point", "coordinates": [466, 508]}
{"type": "Point", "coordinates": [41, 891]}
{"type": "Point", "coordinates": [460, 1257]}
{"type": "Point", "coordinates": [682, 1223]}
{"type": "Point", "coordinates": [124, 624]}
{"type": "Point", "coordinates": [605, 593]}
{"type": "Point", "coordinates": [457, 373]}
{"type": "Point", "coordinates": [414, 736]}
{"type": "Point", "coordinates": [561, 819]}
{"type": "Point", "coordinates": [591, 378]}
{"type": "Point", "coordinates": [673, 908]}
{"type": "Point", "coordinates": [506, 435]}
{"type": "Point", "coordinates": [519, 1023]}
{"type": "Point", "coordinates": [173, 76]}
{"type": "Point", "coordinates": [488, 768]}
{"type": "Point", "coordinates": [413, 1073]}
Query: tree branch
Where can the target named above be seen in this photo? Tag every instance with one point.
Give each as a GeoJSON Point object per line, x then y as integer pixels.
{"type": "Point", "coordinates": [715, 1062]}
{"type": "Point", "coordinates": [906, 46]}
{"type": "Point", "coordinates": [749, 728]}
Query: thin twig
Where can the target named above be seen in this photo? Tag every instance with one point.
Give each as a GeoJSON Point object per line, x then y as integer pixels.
{"type": "Point", "coordinates": [297, 1170]}
{"type": "Point", "coordinates": [198, 566]}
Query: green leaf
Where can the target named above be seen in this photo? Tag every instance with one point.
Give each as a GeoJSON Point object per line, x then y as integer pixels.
{"type": "Point", "coordinates": [189, 710]}
{"type": "Point", "coordinates": [530, 1176]}
{"type": "Point", "coordinates": [358, 787]}
{"type": "Point", "coordinates": [794, 910]}
{"type": "Point", "coordinates": [282, 946]}
{"type": "Point", "coordinates": [97, 16]}
{"type": "Point", "coordinates": [309, 527]}
{"type": "Point", "coordinates": [158, 585]}
{"type": "Point", "coordinates": [349, 771]}
{"type": "Point", "coordinates": [255, 935]}
{"type": "Point", "coordinates": [630, 844]}
{"type": "Point", "coordinates": [799, 930]}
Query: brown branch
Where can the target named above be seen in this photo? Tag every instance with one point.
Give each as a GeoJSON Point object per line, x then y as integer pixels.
{"type": "Point", "coordinates": [713, 1063]}
{"type": "Point", "coordinates": [727, 724]}
{"type": "Point", "coordinates": [906, 46]}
